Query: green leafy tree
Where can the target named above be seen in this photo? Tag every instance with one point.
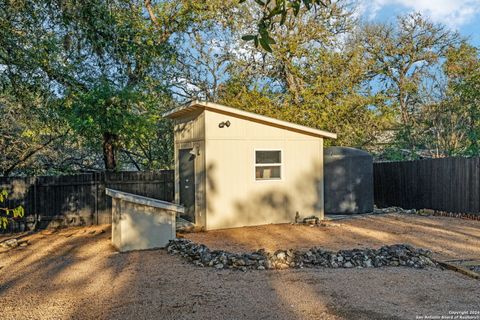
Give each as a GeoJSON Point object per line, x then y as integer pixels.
{"type": "Point", "coordinates": [407, 55]}
{"type": "Point", "coordinates": [316, 75]}
{"type": "Point", "coordinates": [126, 119]}
{"type": "Point", "coordinates": [87, 91]}
{"type": "Point", "coordinates": [119, 116]}
{"type": "Point", "coordinates": [462, 68]}
{"type": "Point", "coordinates": [28, 131]}
{"type": "Point", "coordinates": [97, 51]}
{"type": "Point", "coordinates": [275, 13]}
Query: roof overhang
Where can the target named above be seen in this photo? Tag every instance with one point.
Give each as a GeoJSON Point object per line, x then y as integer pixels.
{"type": "Point", "coordinates": [199, 106]}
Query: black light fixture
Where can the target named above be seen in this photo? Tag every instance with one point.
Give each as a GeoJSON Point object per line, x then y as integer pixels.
{"type": "Point", "coordinates": [224, 124]}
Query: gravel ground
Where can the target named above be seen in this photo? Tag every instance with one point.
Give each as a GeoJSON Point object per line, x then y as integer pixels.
{"type": "Point", "coordinates": [447, 238]}
{"type": "Point", "coordinates": [75, 274]}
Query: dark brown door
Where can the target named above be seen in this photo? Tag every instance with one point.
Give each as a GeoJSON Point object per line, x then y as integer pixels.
{"type": "Point", "coordinates": [187, 183]}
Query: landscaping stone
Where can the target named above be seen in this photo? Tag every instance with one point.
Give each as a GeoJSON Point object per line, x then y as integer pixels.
{"type": "Point", "coordinates": [475, 269]}
{"type": "Point", "coordinates": [311, 220]}
{"type": "Point", "coordinates": [427, 212]}
{"type": "Point", "coordinates": [392, 255]}
{"type": "Point", "coordinates": [393, 210]}
{"type": "Point", "coordinates": [13, 243]}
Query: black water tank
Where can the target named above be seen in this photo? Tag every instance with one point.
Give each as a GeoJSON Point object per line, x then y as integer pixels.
{"type": "Point", "coordinates": [348, 178]}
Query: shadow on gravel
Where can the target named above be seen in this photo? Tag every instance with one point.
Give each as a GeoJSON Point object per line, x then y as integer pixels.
{"type": "Point", "coordinates": [77, 275]}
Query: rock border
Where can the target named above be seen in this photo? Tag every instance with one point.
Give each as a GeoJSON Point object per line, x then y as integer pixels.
{"type": "Point", "coordinates": [427, 212]}
{"type": "Point", "coordinates": [391, 255]}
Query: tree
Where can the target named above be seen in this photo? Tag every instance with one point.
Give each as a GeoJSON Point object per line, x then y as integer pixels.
{"type": "Point", "coordinates": [92, 52]}
{"type": "Point", "coordinates": [462, 68]}
{"type": "Point", "coordinates": [28, 131]}
{"type": "Point", "coordinates": [87, 92]}
{"type": "Point", "coordinates": [126, 118]}
{"type": "Point", "coordinates": [276, 12]}
{"type": "Point", "coordinates": [406, 56]}
{"type": "Point", "coordinates": [316, 75]}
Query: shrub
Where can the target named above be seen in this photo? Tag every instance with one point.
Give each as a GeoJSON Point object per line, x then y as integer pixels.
{"type": "Point", "coordinates": [8, 213]}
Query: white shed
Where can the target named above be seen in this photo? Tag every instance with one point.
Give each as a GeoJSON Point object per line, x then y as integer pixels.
{"type": "Point", "coordinates": [140, 223]}
{"type": "Point", "coordinates": [235, 168]}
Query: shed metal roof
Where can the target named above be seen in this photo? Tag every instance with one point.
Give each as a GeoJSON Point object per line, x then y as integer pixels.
{"type": "Point", "coordinates": [198, 105]}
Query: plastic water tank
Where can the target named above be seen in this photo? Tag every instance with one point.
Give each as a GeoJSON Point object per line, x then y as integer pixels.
{"type": "Point", "coordinates": [348, 181]}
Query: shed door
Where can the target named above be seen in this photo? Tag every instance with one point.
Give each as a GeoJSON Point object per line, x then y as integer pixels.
{"type": "Point", "coordinates": [187, 183]}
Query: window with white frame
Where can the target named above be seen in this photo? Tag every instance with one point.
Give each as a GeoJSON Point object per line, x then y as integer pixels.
{"type": "Point", "coordinates": [268, 164]}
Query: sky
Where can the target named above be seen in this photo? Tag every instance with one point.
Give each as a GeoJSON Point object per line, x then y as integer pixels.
{"type": "Point", "coordinates": [460, 15]}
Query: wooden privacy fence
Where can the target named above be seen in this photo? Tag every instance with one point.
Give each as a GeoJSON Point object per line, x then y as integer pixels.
{"type": "Point", "coordinates": [448, 184]}
{"type": "Point", "coordinates": [80, 199]}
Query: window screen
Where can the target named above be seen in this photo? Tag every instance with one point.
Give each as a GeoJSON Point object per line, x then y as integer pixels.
{"type": "Point", "coordinates": [268, 165]}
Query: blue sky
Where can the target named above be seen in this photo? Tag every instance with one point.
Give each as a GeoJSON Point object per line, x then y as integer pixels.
{"type": "Point", "coordinates": [460, 15]}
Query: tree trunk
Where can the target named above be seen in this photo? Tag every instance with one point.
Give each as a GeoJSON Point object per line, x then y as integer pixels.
{"type": "Point", "coordinates": [109, 150]}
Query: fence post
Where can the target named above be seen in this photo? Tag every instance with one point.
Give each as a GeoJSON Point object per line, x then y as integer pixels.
{"type": "Point", "coordinates": [95, 180]}
{"type": "Point", "coordinates": [35, 200]}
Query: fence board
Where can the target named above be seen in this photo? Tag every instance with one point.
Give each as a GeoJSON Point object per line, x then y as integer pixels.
{"type": "Point", "coordinates": [81, 198]}
{"type": "Point", "coordinates": [448, 184]}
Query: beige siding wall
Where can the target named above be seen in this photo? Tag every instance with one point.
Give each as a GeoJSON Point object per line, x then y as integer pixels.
{"type": "Point", "coordinates": [235, 198]}
{"type": "Point", "coordinates": [189, 132]}
{"type": "Point", "coordinates": [138, 227]}
{"type": "Point", "coordinates": [190, 128]}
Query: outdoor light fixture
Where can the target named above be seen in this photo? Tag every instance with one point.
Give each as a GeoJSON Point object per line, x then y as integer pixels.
{"type": "Point", "coordinates": [195, 151]}
{"type": "Point", "coordinates": [224, 124]}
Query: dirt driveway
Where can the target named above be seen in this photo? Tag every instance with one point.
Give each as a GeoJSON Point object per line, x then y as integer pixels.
{"type": "Point", "coordinates": [75, 274]}
{"type": "Point", "coordinates": [447, 238]}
